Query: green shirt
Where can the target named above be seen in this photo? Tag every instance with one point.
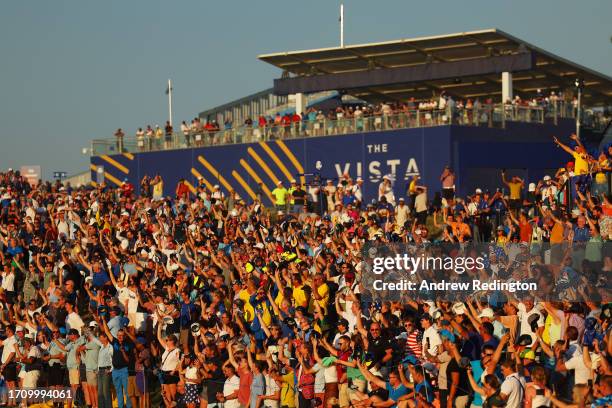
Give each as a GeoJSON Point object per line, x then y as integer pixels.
{"type": "Point", "coordinates": [353, 373]}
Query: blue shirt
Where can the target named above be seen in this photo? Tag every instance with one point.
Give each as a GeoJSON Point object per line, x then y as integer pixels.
{"type": "Point", "coordinates": [396, 393]}
{"type": "Point", "coordinates": [105, 354]}
{"type": "Point", "coordinates": [581, 234]}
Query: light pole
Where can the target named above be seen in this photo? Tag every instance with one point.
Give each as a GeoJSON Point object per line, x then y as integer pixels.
{"type": "Point", "coordinates": [579, 84]}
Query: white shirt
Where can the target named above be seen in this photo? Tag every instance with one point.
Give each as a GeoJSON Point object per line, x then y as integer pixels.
{"type": "Point", "coordinates": [34, 352]}
{"type": "Point", "coordinates": [524, 316]}
{"type": "Point", "coordinates": [271, 388]}
{"type": "Point", "coordinates": [191, 375]}
{"type": "Point", "coordinates": [420, 202]}
{"type": "Point", "coordinates": [9, 347]}
{"type": "Point", "coordinates": [8, 282]}
{"type": "Point", "coordinates": [231, 385]}
{"type": "Point", "coordinates": [435, 341]}
{"type": "Point", "coordinates": [170, 359]}
{"type": "Point", "coordinates": [574, 361]}
{"type": "Point", "coordinates": [514, 387]}
{"type": "Point", "coordinates": [74, 321]}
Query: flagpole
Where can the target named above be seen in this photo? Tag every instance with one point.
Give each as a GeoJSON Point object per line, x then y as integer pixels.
{"type": "Point", "coordinates": [342, 25]}
{"type": "Point", "coordinates": [170, 102]}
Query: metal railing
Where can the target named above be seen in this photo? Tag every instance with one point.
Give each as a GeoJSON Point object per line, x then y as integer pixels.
{"type": "Point", "coordinates": [480, 115]}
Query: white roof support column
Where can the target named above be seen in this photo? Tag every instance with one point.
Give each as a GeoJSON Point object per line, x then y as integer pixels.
{"type": "Point", "coordinates": [507, 87]}
{"type": "Point", "coordinates": [300, 103]}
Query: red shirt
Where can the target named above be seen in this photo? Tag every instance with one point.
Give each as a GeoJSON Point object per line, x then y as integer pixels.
{"type": "Point", "coordinates": [525, 232]}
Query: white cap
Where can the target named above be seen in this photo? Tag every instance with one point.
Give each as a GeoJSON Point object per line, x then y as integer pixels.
{"type": "Point", "coordinates": [293, 181]}
{"type": "Point", "coordinates": [532, 187]}
{"type": "Point", "coordinates": [486, 312]}
{"type": "Point", "coordinates": [216, 186]}
{"type": "Point", "coordinates": [125, 213]}
{"type": "Point", "coordinates": [93, 324]}
{"type": "Point", "coordinates": [459, 308]}
{"type": "Point", "coordinates": [234, 213]}
{"type": "Point", "coordinates": [18, 328]}
{"type": "Point", "coordinates": [258, 245]}
{"type": "Point", "coordinates": [359, 179]}
{"type": "Point", "coordinates": [547, 177]}
{"type": "Point", "coordinates": [478, 191]}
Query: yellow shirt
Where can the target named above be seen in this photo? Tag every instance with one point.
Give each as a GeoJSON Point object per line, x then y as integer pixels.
{"type": "Point", "coordinates": [515, 190]}
{"type": "Point", "coordinates": [299, 296]}
{"type": "Point", "coordinates": [412, 186]}
{"type": "Point", "coordinates": [158, 189]}
{"type": "Point", "coordinates": [323, 291]}
{"type": "Point", "coordinates": [249, 312]}
{"type": "Point", "coordinates": [287, 394]}
{"type": "Point", "coordinates": [280, 195]}
{"type": "Point", "coordinates": [581, 166]}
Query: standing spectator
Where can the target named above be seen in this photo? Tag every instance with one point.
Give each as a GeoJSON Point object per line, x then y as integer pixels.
{"type": "Point", "coordinates": [123, 356]}
{"type": "Point", "coordinates": [119, 136]}
{"type": "Point", "coordinates": [448, 183]}
{"type": "Point", "coordinates": [513, 387]}
{"type": "Point", "coordinates": [280, 194]}
{"type": "Point", "coordinates": [168, 131]}
{"type": "Point", "coordinates": [186, 133]}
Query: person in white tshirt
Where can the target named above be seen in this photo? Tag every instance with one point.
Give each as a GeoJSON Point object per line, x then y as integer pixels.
{"type": "Point", "coordinates": [230, 388]}
{"type": "Point", "coordinates": [432, 343]}
{"type": "Point", "coordinates": [272, 396]}
{"type": "Point", "coordinates": [572, 358]}
{"type": "Point", "coordinates": [402, 213]}
{"type": "Point", "coordinates": [8, 368]}
{"type": "Point", "coordinates": [73, 320]}
{"type": "Point", "coordinates": [513, 387]}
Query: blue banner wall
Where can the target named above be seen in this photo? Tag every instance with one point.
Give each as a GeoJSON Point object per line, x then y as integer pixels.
{"type": "Point", "coordinates": [476, 154]}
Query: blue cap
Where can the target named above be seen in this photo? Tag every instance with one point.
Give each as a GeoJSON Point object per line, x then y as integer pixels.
{"type": "Point", "coordinates": [447, 335]}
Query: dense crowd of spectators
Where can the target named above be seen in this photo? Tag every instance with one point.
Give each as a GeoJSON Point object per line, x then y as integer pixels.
{"type": "Point", "coordinates": [157, 297]}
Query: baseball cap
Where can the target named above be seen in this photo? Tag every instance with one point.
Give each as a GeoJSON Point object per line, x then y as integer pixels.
{"type": "Point", "coordinates": [459, 308]}
{"type": "Point", "coordinates": [478, 191]}
{"type": "Point", "coordinates": [93, 324]}
{"type": "Point", "coordinates": [486, 312]}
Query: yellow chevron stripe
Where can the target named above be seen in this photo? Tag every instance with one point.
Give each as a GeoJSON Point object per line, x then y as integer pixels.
{"type": "Point", "coordinates": [93, 167]}
{"type": "Point", "coordinates": [191, 188]}
{"type": "Point", "coordinates": [257, 179]}
{"type": "Point", "coordinates": [93, 184]}
{"type": "Point", "coordinates": [214, 171]}
{"type": "Point", "coordinates": [112, 178]}
{"type": "Point", "coordinates": [263, 165]}
{"type": "Point", "coordinates": [292, 158]}
{"type": "Point", "coordinates": [128, 155]}
{"type": "Point", "coordinates": [276, 160]}
{"type": "Point", "coordinates": [244, 185]}
{"type": "Point", "coordinates": [115, 163]}
{"type": "Point", "coordinates": [199, 176]}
